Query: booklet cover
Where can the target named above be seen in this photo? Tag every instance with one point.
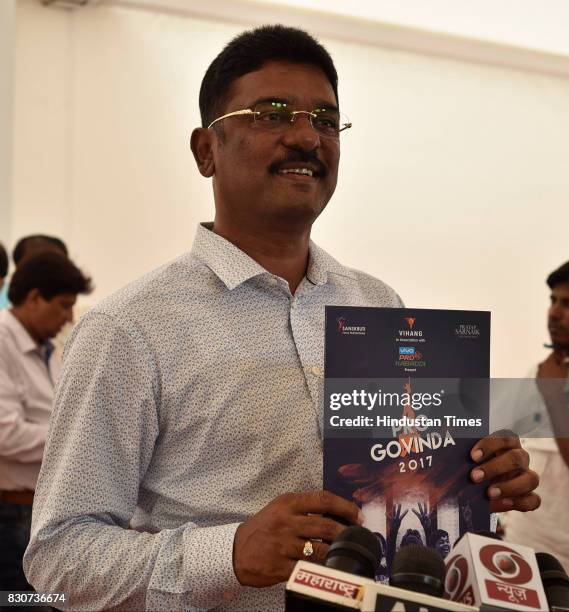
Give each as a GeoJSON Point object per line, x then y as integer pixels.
{"type": "Point", "coordinates": [406, 398]}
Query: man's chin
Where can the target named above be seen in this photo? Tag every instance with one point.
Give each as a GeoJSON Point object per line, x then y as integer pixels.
{"type": "Point", "coordinates": [560, 340]}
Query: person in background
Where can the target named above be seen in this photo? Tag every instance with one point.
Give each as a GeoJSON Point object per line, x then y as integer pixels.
{"type": "Point", "coordinates": [191, 401]}
{"type": "Point", "coordinates": [547, 403]}
{"type": "Point", "coordinates": [4, 266]}
{"type": "Point", "coordinates": [31, 245]}
{"type": "Point", "coordinates": [27, 247]}
{"type": "Point", "coordinates": [43, 291]}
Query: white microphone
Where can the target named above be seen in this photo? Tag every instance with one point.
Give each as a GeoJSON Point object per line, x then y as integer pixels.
{"type": "Point", "coordinates": [316, 588]}
{"type": "Point", "coordinates": [489, 573]}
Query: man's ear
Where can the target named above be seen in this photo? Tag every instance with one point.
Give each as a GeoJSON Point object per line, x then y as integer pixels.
{"type": "Point", "coordinates": [33, 297]}
{"type": "Point", "coordinates": [201, 143]}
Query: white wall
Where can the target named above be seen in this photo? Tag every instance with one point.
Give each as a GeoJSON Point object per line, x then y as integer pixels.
{"type": "Point", "coordinates": [533, 24]}
{"type": "Point", "coordinates": [7, 25]}
{"type": "Point", "coordinates": [453, 186]}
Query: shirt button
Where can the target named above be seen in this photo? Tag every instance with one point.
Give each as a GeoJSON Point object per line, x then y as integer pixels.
{"type": "Point", "coordinates": [317, 371]}
{"type": "Point", "coordinates": [273, 281]}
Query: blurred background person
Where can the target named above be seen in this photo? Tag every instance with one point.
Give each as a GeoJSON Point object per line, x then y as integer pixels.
{"type": "Point", "coordinates": [548, 403]}
{"type": "Point", "coordinates": [42, 291]}
{"type": "Point", "coordinates": [27, 247]}
{"type": "Point", "coordinates": [3, 265]}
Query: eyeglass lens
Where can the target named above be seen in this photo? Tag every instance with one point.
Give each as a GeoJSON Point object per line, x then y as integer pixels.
{"type": "Point", "coordinates": [271, 115]}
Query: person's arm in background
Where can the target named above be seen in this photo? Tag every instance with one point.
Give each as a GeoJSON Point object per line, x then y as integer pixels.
{"type": "Point", "coordinates": [100, 444]}
{"type": "Point", "coordinates": [553, 384]}
{"type": "Point", "coordinates": [20, 440]}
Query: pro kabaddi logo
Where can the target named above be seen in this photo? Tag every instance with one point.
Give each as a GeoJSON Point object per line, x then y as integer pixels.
{"type": "Point", "coordinates": [349, 330]}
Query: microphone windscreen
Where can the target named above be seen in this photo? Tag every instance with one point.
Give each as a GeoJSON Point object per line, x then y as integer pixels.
{"type": "Point", "coordinates": [418, 568]}
{"type": "Point", "coordinates": [555, 581]}
{"type": "Point", "coordinates": [355, 550]}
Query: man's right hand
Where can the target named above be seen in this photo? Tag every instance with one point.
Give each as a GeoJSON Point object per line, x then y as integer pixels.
{"type": "Point", "coordinates": [267, 546]}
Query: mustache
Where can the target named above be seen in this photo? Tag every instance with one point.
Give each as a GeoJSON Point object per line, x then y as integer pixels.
{"type": "Point", "coordinates": [306, 157]}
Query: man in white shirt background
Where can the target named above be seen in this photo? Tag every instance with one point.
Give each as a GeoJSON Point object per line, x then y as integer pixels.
{"type": "Point", "coordinates": [547, 402]}
{"type": "Point", "coordinates": [42, 291]}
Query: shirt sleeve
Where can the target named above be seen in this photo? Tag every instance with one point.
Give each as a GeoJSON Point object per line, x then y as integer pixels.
{"type": "Point", "coordinates": [20, 440]}
{"type": "Point", "coordinates": [103, 431]}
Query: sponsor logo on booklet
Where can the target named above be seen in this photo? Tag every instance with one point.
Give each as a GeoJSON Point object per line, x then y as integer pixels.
{"type": "Point", "coordinates": [467, 330]}
{"type": "Point", "coordinates": [408, 356]}
{"type": "Point", "coordinates": [410, 331]}
{"type": "Point", "coordinates": [349, 330]}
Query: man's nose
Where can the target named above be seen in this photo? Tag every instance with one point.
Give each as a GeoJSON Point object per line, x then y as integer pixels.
{"type": "Point", "coordinates": [555, 311]}
{"type": "Point", "coordinates": [301, 135]}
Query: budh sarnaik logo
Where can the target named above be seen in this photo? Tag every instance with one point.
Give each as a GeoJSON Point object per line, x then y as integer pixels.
{"type": "Point", "coordinates": [410, 332]}
{"type": "Point", "coordinates": [350, 330]}
{"type": "Point", "coordinates": [467, 330]}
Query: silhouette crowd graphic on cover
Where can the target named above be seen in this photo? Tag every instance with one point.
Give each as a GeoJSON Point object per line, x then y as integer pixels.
{"type": "Point", "coordinates": [406, 398]}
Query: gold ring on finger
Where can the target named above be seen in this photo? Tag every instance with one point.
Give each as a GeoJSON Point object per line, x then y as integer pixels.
{"type": "Point", "coordinates": [308, 549]}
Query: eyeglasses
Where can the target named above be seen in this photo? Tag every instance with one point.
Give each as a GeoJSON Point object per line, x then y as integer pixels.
{"type": "Point", "coordinates": [273, 116]}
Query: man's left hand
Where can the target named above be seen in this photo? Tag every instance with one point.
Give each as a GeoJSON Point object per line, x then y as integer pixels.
{"type": "Point", "coordinates": [504, 465]}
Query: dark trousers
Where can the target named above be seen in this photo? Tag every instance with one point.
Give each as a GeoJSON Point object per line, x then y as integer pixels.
{"type": "Point", "coordinates": [15, 523]}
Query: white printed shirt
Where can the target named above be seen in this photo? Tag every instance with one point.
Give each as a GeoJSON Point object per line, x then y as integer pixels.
{"type": "Point", "coordinates": [188, 401]}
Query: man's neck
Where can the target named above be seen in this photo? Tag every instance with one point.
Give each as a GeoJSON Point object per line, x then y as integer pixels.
{"type": "Point", "coordinates": [281, 252]}
{"type": "Point", "coordinates": [20, 314]}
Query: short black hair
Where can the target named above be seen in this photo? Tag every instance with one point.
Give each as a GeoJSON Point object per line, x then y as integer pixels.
{"type": "Point", "coordinates": [248, 52]}
{"type": "Point", "coordinates": [561, 275]}
{"type": "Point", "coordinates": [3, 262]}
{"type": "Point", "coordinates": [36, 241]}
{"type": "Point", "coordinates": [51, 274]}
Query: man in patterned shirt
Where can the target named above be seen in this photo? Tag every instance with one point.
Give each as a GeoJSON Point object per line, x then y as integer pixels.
{"type": "Point", "coordinates": [190, 404]}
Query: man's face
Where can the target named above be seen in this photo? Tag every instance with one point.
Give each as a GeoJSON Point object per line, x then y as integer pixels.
{"type": "Point", "coordinates": [443, 546]}
{"type": "Point", "coordinates": [558, 315]}
{"type": "Point", "coordinates": [249, 184]}
{"type": "Point", "coordinates": [47, 317]}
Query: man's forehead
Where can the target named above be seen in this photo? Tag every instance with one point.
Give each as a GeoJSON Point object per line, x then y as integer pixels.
{"type": "Point", "coordinates": [284, 81]}
{"type": "Point", "coordinates": [561, 290]}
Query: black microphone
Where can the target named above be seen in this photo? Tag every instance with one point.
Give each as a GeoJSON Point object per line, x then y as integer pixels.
{"type": "Point", "coordinates": [419, 569]}
{"type": "Point", "coordinates": [356, 551]}
{"type": "Point", "coordinates": [555, 581]}
{"type": "Point", "coordinates": [345, 583]}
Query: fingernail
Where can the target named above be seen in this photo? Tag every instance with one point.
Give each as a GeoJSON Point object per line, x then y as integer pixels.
{"type": "Point", "coordinates": [477, 475]}
{"type": "Point", "coordinates": [360, 517]}
{"type": "Point", "coordinates": [477, 454]}
{"type": "Point", "coordinates": [494, 492]}
{"type": "Point", "coordinates": [508, 503]}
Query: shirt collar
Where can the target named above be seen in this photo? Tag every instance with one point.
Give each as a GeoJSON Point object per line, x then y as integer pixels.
{"type": "Point", "coordinates": [233, 267]}
{"type": "Point", "coordinates": [24, 341]}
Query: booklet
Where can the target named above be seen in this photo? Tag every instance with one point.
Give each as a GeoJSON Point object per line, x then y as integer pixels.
{"type": "Point", "coordinates": [406, 398]}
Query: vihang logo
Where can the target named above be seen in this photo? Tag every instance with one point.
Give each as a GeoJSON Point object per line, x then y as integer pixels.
{"type": "Point", "coordinates": [410, 332]}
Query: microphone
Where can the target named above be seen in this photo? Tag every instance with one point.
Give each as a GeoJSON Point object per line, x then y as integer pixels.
{"type": "Point", "coordinates": [356, 551]}
{"type": "Point", "coordinates": [555, 582]}
{"type": "Point", "coordinates": [418, 569]}
{"type": "Point", "coordinates": [485, 572]}
{"type": "Point", "coordinates": [317, 588]}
